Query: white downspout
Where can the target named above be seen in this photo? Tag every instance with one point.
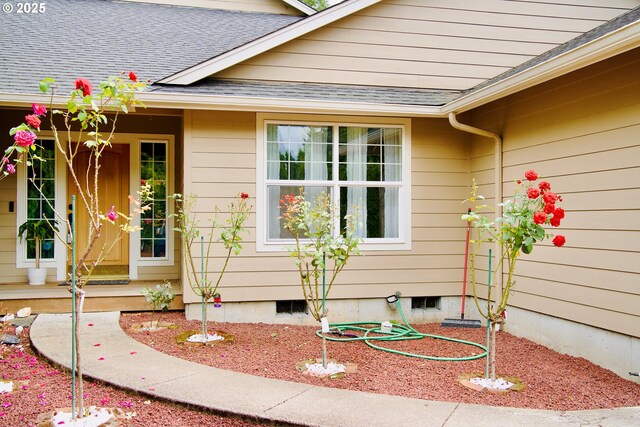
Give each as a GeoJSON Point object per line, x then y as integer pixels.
{"type": "Point", "coordinates": [497, 165]}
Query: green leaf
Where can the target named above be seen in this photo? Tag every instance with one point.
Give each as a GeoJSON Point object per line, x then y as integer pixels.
{"type": "Point", "coordinates": [82, 116]}
{"type": "Point", "coordinates": [44, 87]}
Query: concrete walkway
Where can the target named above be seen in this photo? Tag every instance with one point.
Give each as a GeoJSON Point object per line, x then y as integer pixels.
{"type": "Point", "coordinates": [132, 365]}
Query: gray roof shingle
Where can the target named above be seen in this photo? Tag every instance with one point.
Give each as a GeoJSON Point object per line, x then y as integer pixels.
{"type": "Point", "coordinates": [97, 38]}
{"type": "Point", "coordinates": [319, 92]}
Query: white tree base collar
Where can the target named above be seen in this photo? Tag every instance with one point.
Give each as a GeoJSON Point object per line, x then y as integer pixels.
{"type": "Point", "coordinates": [209, 338]}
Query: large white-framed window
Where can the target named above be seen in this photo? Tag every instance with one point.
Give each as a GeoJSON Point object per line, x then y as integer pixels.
{"type": "Point", "coordinates": [363, 164]}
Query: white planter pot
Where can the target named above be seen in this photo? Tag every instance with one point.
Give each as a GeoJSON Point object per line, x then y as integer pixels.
{"type": "Point", "coordinates": [37, 276]}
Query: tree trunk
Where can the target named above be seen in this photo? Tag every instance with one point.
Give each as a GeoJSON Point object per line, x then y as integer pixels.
{"type": "Point", "coordinates": [204, 320]}
{"type": "Point", "coordinates": [324, 351]}
{"type": "Point", "coordinates": [79, 385]}
{"type": "Point", "coordinates": [493, 350]}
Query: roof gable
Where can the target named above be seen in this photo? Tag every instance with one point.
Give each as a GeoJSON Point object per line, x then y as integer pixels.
{"type": "Point", "coordinates": [249, 50]}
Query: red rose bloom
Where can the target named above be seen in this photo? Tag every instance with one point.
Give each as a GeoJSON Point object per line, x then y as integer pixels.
{"type": "Point", "coordinates": [544, 186]}
{"type": "Point", "coordinates": [549, 197]}
{"type": "Point", "coordinates": [555, 221]}
{"type": "Point", "coordinates": [559, 240]}
{"type": "Point", "coordinates": [531, 175]}
{"type": "Point", "coordinates": [133, 77]}
{"type": "Point", "coordinates": [24, 138]}
{"type": "Point", "coordinates": [549, 209]}
{"type": "Point", "coordinates": [84, 85]}
{"type": "Point", "coordinates": [533, 193]}
{"type": "Point", "coordinates": [33, 121]}
{"type": "Point", "coordinates": [558, 213]}
{"type": "Point", "coordinates": [39, 110]}
{"type": "Point", "coordinates": [539, 217]}
{"type": "Point", "coordinates": [244, 196]}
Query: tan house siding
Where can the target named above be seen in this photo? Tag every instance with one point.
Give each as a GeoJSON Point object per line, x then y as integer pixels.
{"type": "Point", "coordinates": [220, 156]}
{"type": "Point", "coordinates": [582, 132]}
{"type": "Point", "coordinates": [264, 6]}
{"type": "Point", "coordinates": [452, 44]}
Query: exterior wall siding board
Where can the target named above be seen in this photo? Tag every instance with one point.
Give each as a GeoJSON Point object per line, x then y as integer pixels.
{"type": "Point", "coordinates": [581, 131]}
{"type": "Point", "coordinates": [446, 45]}
{"type": "Point", "coordinates": [221, 158]}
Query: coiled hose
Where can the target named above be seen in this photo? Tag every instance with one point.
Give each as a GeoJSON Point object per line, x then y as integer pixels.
{"type": "Point", "coordinates": [398, 333]}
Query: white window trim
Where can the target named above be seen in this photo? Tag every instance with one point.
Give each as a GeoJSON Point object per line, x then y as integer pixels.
{"type": "Point", "coordinates": [61, 256]}
{"type": "Point", "coordinates": [403, 242]}
{"type": "Point", "coordinates": [135, 240]}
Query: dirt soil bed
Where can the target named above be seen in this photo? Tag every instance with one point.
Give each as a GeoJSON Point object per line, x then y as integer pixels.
{"type": "Point", "coordinates": [553, 381]}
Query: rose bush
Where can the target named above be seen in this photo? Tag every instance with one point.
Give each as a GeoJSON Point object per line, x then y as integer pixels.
{"type": "Point", "coordinates": [520, 227]}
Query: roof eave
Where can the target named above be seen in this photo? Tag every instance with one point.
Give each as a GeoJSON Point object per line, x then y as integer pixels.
{"type": "Point", "coordinates": [256, 47]}
{"type": "Point", "coordinates": [607, 46]}
{"type": "Point", "coordinates": [252, 104]}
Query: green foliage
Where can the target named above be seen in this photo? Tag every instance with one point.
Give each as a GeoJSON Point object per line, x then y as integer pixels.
{"type": "Point", "coordinates": [317, 4]}
{"type": "Point", "coordinates": [230, 236]}
{"type": "Point", "coordinates": [316, 247]}
{"type": "Point", "coordinates": [159, 297]}
{"type": "Point", "coordinates": [37, 230]}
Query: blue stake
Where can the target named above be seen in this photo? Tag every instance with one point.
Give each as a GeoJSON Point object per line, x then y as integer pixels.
{"type": "Point", "coordinates": [486, 375]}
{"type": "Point", "coordinates": [73, 307]}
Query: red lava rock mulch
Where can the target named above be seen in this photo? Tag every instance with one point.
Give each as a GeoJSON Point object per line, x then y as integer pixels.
{"type": "Point", "coordinates": [552, 380]}
{"type": "Point", "coordinates": [40, 387]}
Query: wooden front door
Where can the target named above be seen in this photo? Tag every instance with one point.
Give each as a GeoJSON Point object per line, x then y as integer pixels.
{"type": "Point", "coordinates": [113, 189]}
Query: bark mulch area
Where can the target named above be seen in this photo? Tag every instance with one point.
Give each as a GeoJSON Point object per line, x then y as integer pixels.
{"type": "Point", "coordinates": [552, 380]}
{"type": "Point", "coordinates": [40, 387]}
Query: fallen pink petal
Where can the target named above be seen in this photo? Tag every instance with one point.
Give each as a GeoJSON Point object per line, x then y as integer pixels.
{"type": "Point", "coordinates": [100, 358]}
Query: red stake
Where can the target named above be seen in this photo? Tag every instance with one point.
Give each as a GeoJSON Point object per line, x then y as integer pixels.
{"type": "Point", "coordinates": [466, 262]}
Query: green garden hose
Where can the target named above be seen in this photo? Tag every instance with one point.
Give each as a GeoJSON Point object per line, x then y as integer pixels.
{"type": "Point", "coordinates": [398, 333]}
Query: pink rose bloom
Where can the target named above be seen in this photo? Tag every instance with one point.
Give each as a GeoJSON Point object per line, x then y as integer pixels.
{"type": "Point", "coordinates": [11, 169]}
{"type": "Point", "coordinates": [39, 110]}
{"type": "Point", "coordinates": [24, 138]}
{"type": "Point", "coordinates": [33, 121]}
{"type": "Point", "coordinates": [112, 215]}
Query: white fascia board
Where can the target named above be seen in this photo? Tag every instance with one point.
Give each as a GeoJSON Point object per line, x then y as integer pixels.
{"type": "Point", "coordinates": [263, 44]}
{"type": "Point", "coordinates": [253, 104]}
{"type": "Point", "coordinates": [607, 46]}
{"type": "Point", "coordinates": [307, 10]}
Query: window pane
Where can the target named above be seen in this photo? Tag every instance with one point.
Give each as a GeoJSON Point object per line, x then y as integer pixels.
{"type": "Point", "coordinates": [275, 226]}
{"type": "Point", "coordinates": [375, 210]}
{"type": "Point", "coordinates": [298, 152]}
{"type": "Point", "coordinates": [364, 154]}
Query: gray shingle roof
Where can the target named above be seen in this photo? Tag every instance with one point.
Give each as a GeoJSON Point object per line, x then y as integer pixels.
{"type": "Point", "coordinates": [97, 38]}
{"type": "Point", "coordinates": [319, 92]}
